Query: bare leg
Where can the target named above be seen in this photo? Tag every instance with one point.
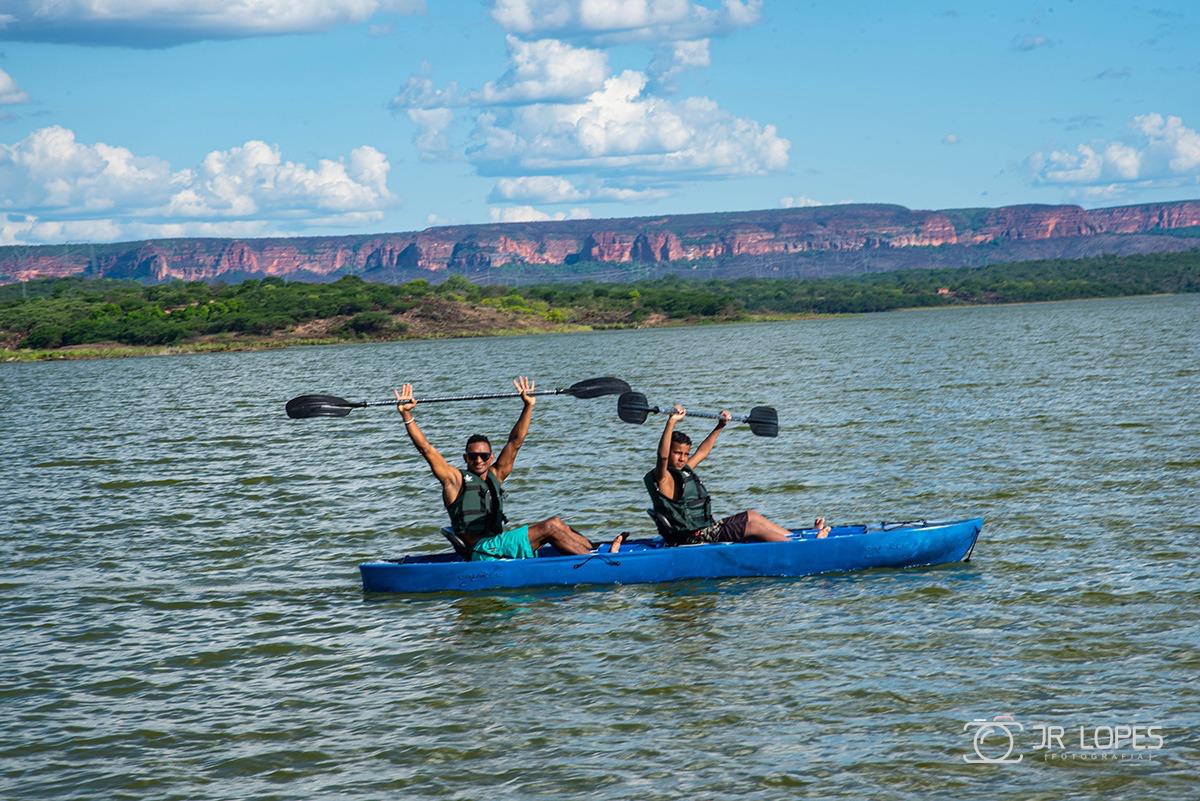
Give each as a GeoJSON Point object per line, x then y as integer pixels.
{"type": "Point", "coordinates": [554, 531]}
{"type": "Point", "coordinates": [760, 528]}
{"type": "Point", "coordinates": [617, 542]}
{"type": "Point", "coordinates": [822, 528]}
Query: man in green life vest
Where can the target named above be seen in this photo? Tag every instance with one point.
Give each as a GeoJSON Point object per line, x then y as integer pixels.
{"type": "Point", "coordinates": [677, 494]}
{"type": "Point", "coordinates": [474, 497]}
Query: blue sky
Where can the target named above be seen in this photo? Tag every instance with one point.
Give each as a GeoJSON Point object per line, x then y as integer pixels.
{"type": "Point", "coordinates": [126, 120]}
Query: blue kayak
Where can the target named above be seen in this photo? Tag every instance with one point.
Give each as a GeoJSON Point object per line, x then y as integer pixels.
{"type": "Point", "coordinates": [855, 547]}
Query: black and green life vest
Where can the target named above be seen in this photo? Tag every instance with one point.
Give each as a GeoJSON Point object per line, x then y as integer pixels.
{"type": "Point", "coordinates": [478, 511]}
{"type": "Point", "coordinates": [691, 511]}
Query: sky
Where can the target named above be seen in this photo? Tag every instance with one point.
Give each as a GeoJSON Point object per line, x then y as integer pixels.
{"type": "Point", "coordinates": [127, 119]}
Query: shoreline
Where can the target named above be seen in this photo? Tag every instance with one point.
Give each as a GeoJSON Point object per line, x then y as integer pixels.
{"type": "Point", "coordinates": [73, 319]}
{"type": "Point", "coordinates": [114, 350]}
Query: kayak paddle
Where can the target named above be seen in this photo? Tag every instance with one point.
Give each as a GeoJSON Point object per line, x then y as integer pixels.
{"type": "Point", "coordinates": [333, 406]}
{"type": "Point", "coordinates": [632, 407]}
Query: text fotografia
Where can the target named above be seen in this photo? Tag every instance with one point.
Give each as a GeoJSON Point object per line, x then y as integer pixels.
{"type": "Point", "coordinates": [997, 741]}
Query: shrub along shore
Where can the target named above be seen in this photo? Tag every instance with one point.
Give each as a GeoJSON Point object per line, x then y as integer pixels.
{"type": "Point", "coordinates": [82, 318]}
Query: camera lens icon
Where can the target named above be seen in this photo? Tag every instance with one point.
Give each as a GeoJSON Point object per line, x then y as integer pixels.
{"type": "Point", "coordinates": [994, 740]}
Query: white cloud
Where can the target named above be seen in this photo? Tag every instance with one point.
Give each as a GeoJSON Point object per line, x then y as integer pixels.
{"type": "Point", "coordinates": [1170, 141]}
{"type": "Point", "coordinates": [9, 91]}
{"type": "Point", "coordinates": [679, 56]}
{"type": "Point", "coordinates": [614, 21]}
{"type": "Point", "coordinates": [546, 70]}
{"type": "Point", "coordinates": [1060, 166]}
{"type": "Point", "coordinates": [537, 188]}
{"type": "Point", "coordinates": [1099, 193]}
{"type": "Point", "coordinates": [1124, 161]}
{"type": "Point", "coordinates": [692, 53]}
{"type": "Point", "coordinates": [420, 91]}
{"type": "Point", "coordinates": [49, 169]}
{"type": "Point", "coordinates": [742, 12]}
{"type": "Point", "coordinates": [799, 202]}
{"type": "Point", "coordinates": [163, 23]}
{"type": "Point", "coordinates": [530, 214]}
{"type": "Point", "coordinates": [558, 127]}
{"type": "Point", "coordinates": [56, 183]}
{"type": "Point", "coordinates": [556, 189]}
{"type": "Point", "coordinates": [1163, 151]}
{"type": "Point", "coordinates": [433, 131]}
{"type": "Point", "coordinates": [620, 131]}
{"type": "Point", "coordinates": [1030, 41]}
{"type": "Point", "coordinates": [950, 139]}
{"type": "Point", "coordinates": [254, 180]}
{"type": "Point", "coordinates": [30, 230]}
{"type": "Point", "coordinates": [802, 202]}
{"type": "Point", "coordinates": [617, 15]}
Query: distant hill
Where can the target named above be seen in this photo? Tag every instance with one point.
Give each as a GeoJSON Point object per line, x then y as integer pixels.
{"type": "Point", "coordinates": [804, 242]}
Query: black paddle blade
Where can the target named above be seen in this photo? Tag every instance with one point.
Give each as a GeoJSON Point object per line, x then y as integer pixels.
{"type": "Point", "coordinates": [597, 388]}
{"type": "Point", "coordinates": [764, 421]}
{"type": "Point", "coordinates": [319, 406]}
{"type": "Point", "coordinates": [632, 407]}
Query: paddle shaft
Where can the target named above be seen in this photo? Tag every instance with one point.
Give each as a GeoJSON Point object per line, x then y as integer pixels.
{"type": "Point", "coordinates": [448, 398]}
{"type": "Point", "coordinates": [737, 418]}
{"type": "Point", "coordinates": [304, 406]}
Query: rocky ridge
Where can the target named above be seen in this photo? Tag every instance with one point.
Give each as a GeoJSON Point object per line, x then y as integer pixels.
{"type": "Point", "coordinates": [825, 240]}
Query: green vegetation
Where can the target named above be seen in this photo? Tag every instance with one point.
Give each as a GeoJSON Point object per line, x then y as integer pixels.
{"type": "Point", "coordinates": [51, 314]}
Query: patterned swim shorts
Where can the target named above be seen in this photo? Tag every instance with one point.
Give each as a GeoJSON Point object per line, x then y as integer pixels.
{"type": "Point", "coordinates": [727, 529]}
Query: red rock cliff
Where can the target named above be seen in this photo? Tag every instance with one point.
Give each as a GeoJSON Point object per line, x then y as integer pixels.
{"type": "Point", "coordinates": [690, 237]}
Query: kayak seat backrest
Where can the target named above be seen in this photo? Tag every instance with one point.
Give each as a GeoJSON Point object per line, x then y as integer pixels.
{"type": "Point", "coordinates": [661, 523]}
{"type": "Point", "coordinates": [460, 547]}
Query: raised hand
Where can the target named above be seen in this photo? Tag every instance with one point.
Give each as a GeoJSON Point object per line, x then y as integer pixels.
{"type": "Point", "coordinates": [525, 386]}
{"type": "Point", "coordinates": [404, 399]}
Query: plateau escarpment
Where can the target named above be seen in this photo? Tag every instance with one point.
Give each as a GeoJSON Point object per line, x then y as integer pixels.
{"type": "Point", "coordinates": [824, 240]}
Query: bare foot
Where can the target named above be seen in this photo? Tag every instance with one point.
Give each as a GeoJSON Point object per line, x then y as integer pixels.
{"type": "Point", "coordinates": [822, 529]}
{"type": "Point", "coordinates": [615, 546]}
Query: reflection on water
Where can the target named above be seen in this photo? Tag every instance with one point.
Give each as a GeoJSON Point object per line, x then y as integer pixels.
{"type": "Point", "coordinates": [183, 618]}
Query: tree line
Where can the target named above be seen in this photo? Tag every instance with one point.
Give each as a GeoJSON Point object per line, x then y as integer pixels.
{"type": "Point", "coordinates": [72, 311]}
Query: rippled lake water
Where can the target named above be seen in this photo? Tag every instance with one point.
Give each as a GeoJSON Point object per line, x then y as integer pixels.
{"type": "Point", "coordinates": [182, 616]}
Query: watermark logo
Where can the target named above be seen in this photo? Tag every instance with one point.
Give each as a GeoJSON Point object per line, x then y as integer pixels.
{"type": "Point", "coordinates": [998, 741]}
{"type": "Point", "coordinates": [994, 741]}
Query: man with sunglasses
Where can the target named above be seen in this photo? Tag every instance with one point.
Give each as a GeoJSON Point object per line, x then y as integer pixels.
{"type": "Point", "coordinates": [678, 496]}
{"type": "Point", "coordinates": [474, 497]}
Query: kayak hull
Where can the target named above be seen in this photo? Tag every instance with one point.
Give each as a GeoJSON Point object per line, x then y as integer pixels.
{"type": "Point", "coordinates": [651, 561]}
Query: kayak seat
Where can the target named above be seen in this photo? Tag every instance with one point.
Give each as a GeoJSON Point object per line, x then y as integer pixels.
{"type": "Point", "coordinates": [661, 523]}
{"type": "Point", "coordinates": [460, 547]}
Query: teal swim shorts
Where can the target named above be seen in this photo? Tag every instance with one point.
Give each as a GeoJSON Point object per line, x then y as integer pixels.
{"type": "Point", "coordinates": [511, 544]}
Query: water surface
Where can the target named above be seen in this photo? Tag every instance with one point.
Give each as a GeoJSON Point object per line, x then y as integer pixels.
{"type": "Point", "coordinates": [182, 615]}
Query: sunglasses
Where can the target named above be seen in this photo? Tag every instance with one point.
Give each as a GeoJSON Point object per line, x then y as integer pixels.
{"type": "Point", "coordinates": [483, 456]}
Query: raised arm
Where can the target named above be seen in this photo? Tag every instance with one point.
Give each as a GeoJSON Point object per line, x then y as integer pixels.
{"type": "Point", "coordinates": [516, 437]}
{"type": "Point", "coordinates": [706, 446]}
{"type": "Point", "coordinates": [662, 476]}
{"type": "Point", "coordinates": [450, 478]}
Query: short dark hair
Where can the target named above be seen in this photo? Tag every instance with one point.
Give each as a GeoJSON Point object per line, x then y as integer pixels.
{"type": "Point", "coordinates": [471, 440]}
{"type": "Point", "coordinates": [678, 437]}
